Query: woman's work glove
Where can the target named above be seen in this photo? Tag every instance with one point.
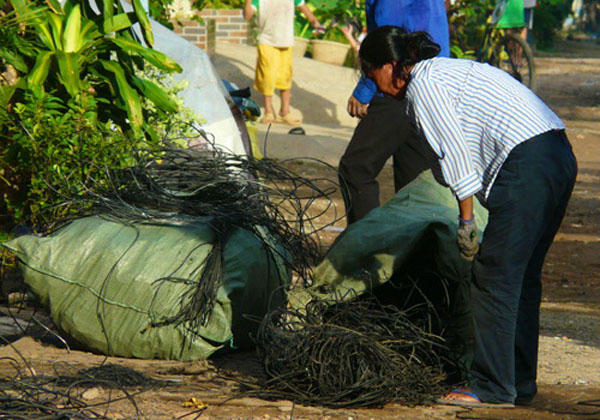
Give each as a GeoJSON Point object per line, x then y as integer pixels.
{"type": "Point", "coordinates": [467, 238]}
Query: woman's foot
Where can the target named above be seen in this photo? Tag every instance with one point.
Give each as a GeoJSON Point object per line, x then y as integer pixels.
{"type": "Point", "coordinates": [462, 395]}
{"type": "Point", "coordinates": [268, 118]}
{"type": "Point", "coordinates": [466, 398]}
{"type": "Point", "coordinates": [287, 119]}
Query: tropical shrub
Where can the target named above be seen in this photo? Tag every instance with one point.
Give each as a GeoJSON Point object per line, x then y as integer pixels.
{"type": "Point", "coordinates": [175, 128]}
{"type": "Point", "coordinates": [74, 51]}
{"type": "Point", "coordinates": [51, 150]}
{"type": "Point", "coordinates": [86, 95]}
{"type": "Point", "coordinates": [467, 21]}
{"type": "Point", "coordinates": [333, 13]}
{"type": "Point", "coordinates": [159, 11]}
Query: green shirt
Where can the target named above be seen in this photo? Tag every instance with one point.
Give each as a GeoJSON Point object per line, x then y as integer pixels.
{"type": "Point", "coordinates": [513, 16]}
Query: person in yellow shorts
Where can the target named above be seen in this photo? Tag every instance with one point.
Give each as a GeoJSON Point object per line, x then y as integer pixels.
{"type": "Point", "coordinates": [275, 41]}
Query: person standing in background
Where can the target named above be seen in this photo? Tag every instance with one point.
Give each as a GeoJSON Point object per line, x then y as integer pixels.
{"type": "Point", "coordinates": [347, 30]}
{"type": "Point", "coordinates": [528, 6]}
{"type": "Point", "coordinates": [384, 127]}
{"type": "Point", "coordinates": [513, 17]}
{"type": "Point", "coordinates": [274, 61]}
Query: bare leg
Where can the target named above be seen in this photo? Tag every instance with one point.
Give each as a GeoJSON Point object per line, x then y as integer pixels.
{"type": "Point", "coordinates": [269, 105]}
{"type": "Point", "coordinates": [515, 49]}
{"type": "Point", "coordinates": [524, 32]}
{"type": "Point", "coordinates": [286, 98]}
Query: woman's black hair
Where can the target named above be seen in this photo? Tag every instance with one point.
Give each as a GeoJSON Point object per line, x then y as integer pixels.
{"type": "Point", "coordinates": [393, 44]}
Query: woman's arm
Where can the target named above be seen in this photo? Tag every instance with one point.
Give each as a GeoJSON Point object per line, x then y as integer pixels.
{"type": "Point", "coordinates": [466, 208]}
{"type": "Point", "coordinates": [466, 235]}
{"type": "Point", "coordinates": [435, 114]}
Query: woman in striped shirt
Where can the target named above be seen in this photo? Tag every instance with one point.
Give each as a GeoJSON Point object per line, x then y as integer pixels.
{"type": "Point", "coordinates": [494, 139]}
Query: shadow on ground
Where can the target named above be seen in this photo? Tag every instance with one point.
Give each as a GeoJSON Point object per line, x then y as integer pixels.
{"type": "Point", "coordinates": [308, 103]}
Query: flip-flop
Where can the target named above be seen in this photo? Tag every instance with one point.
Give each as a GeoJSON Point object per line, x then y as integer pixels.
{"type": "Point", "coordinates": [268, 119]}
{"type": "Point", "coordinates": [288, 119]}
{"type": "Point", "coordinates": [297, 130]}
{"type": "Point", "coordinates": [478, 403]}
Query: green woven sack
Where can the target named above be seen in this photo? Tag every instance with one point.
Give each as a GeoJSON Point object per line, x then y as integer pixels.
{"type": "Point", "coordinates": [421, 220]}
{"type": "Point", "coordinates": [413, 233]}
{"type": "Point", "coordinates": [101, 280]}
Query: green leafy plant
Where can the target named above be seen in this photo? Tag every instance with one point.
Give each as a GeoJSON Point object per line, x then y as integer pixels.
{"type": "Point", "coordinates": [457, 52]}
{"type": "Point", "coordinates": [159, 11]}
{"type": "Point", "coordinates": [467, 21]}
{"type": "Point", "coordinates": [54, 148]}
{"type": "Point", "coordinates": [333, 13]}
{"type": "Point", "coordinates": [302, 27]}
{"type": "Point", "coordinates": [82, 100]}
{"type": "Point", "coordinates": [72, 50]}
{"type": "Point", "coordinates": [174, 128]}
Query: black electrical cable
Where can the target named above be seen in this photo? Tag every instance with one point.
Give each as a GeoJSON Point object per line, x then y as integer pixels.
{"type": "Point", "coordinates": [357, 353]}
{"type": "Point", "coordinates": [228, 191]}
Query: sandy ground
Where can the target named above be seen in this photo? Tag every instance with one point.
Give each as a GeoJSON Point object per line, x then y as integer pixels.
{"type": "Point", "coordinates": [569, 362]}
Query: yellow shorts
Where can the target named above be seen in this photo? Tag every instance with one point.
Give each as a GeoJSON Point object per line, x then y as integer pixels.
{"type": "Point", "coordinates": [273, 69]}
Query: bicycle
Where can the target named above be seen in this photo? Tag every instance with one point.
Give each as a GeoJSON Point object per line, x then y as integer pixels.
{"type": "Point", "coordinates": [507, 51]}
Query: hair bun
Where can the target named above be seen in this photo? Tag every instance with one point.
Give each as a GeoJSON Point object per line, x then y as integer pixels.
{"type": "Point", "coordinates": [393, 44]}
{"type": "Point", "coordinates": [419, 46]}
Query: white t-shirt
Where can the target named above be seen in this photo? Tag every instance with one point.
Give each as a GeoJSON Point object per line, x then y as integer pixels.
{"type": "Point", "coordinates": [529, 3]}
{"type": "Point", "coordinates": [276, 21]}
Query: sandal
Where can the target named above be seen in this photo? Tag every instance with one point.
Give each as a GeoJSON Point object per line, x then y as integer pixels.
{"type": "Point", "coordinates": [297, 131]}
{"type": "Point", "coordinates": [268, 118]}
{"type": "Point", "coordinates": [472, 401]}
{"type": "Point", "coordinates": [288, 119]}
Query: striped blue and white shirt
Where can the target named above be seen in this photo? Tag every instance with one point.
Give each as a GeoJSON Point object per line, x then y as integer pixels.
{"type": "Point", "coordinates": [473, 115]}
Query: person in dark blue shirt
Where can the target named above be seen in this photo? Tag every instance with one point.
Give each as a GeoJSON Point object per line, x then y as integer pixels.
{"type": "Point", "coordinates": [381, 133]}
{"type": "Point", "coordinates": [422, 15]}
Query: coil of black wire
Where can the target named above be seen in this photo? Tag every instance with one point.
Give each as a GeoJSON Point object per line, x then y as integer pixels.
{"type": "Point", "coordinates": [349, 354]}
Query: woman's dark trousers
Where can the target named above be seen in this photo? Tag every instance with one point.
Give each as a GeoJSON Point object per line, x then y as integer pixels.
{"type": "Point", "coordinates": [526, 206]}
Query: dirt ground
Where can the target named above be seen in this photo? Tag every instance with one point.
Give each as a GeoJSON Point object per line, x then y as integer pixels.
{"type": "Point", "coordinates": [569, 362]}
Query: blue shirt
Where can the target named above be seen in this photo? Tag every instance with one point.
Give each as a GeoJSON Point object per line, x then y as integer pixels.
{"type": "Point", "coordinates": [413, 15]}
{"type": "Point", "coordinates": [473, 115]}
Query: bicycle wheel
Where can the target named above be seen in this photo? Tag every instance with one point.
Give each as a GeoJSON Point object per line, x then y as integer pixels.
{"type": "Point", "coordinates": [513, 55]}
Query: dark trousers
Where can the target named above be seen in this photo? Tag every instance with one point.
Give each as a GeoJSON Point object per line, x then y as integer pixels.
{"type": "Point", "coordinates": [526, 206]}
{"type": "Point", "coordinates": [385, 131]}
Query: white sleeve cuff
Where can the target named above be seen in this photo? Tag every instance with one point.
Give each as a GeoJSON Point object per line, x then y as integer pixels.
{"type": "Point", "coordinates": [467, 186]}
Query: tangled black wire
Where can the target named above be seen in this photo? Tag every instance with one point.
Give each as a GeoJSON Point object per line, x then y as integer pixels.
{"type": "Point", "coordinates": [228, 191]}
{"type": "Point", "coordinates": [28, 396]}
{"type": "Point", "coordinates": [349, 354]}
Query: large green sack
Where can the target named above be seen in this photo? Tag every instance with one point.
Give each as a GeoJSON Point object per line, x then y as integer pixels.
{"type": "Point", "coordinates": [415, 234]}
{"type": "Point", "coordinates": [100, 280]}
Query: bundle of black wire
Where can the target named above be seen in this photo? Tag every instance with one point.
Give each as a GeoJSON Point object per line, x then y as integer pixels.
{"type": "Point", "coordinates": [229, 191]}
{"type": "Point", "coordinates": [28, 396]}
{"type": "Point", "coordinates": [349, 354]}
